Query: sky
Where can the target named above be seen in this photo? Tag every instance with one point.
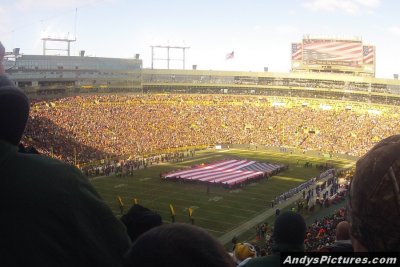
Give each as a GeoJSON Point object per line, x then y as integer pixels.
{"type": "Point", "coordinates": [260, 32]}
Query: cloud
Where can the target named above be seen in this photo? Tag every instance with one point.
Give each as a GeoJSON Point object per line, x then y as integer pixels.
{"type": "Point", "coordinates": [26, 5]}
{"type": "Point", "coordinates": [369, 3]}
{"type": "Point", "coordinates": [2, 16]}
{"type": "Point", "coordinates": [5, 23]}
{"type": "Point", "coordinates": [351, 7]}
{"type": "Point", "coordinates": [286, 29]}
{"type": "Point", "coordinates": [394, 30]}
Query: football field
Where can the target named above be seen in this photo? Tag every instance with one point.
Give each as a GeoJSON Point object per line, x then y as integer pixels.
{"type": "Point", "coordinates": [217, 209]}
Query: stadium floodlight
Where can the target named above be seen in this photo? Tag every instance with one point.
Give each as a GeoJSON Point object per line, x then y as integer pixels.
{"type": "Point", "coordinates": [168, 58]}
{"type": "Point", "coordinates": [57, 37]}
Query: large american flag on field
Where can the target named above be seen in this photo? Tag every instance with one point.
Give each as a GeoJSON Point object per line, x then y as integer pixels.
{"type": "Point", "coordinates": [297, 51]}
{"type": "Point", "coordinates": [228, 172]}
{"type": "Point", "coordinates": [333, 50]}
{"type": "Point", "coordinates": [369, 54]}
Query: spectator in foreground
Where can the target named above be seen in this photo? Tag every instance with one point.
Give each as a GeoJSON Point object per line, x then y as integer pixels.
{"type": "Point", "coordinates": [289, 232]}
{"type": "Point", "coordinates": [139, 220]}
{"type": "Point", "coordinates": [50, 213]}
{"type": "Point", "coordinates": [178, 245]}
{"type": "Point", "coordinates": [342, 239]}
{"type": "Point", "coordinates": [374, 201]}
{"type": "Point", "coordinates": [342, 242]}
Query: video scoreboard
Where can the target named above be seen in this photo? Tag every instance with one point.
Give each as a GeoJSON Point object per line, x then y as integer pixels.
{"type": "Point", "coordinates": [336, 55]}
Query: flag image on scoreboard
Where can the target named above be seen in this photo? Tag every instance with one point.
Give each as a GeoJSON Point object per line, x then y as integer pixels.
{"type": "Point", "coordinates": [334, 51]}
{"type": "Point", "coordinates": [297, 51]}
{"type": "Point", "coordinates": [369, 54]}
{"type": "Point", "coordinates": [229, 172]}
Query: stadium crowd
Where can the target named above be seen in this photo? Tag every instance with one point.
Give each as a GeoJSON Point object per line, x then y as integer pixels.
{"type": "Point", "coordinates": [87, 128]}
{"type": "Point", "coordinates": [321, 234]}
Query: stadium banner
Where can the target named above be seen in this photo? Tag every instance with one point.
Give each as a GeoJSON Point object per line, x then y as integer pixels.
{"type": "Point", "coordinates": [339, 259]}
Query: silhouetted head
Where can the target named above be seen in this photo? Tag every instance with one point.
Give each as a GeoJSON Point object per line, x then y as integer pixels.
{"type": "Point", "coordinates": [343, 231]}
{"type": "Point", "coordinates": [289, 231]}
{"type": "Point", "coordinates": [139, 219]}
{"type": "Point", "coordinates": [177, 245]}
{"type": "Point", "coordinates": [14, 112]}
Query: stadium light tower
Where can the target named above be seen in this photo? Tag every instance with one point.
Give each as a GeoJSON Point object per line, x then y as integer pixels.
{"type": "Point", "coordinates": [10, 58]}
{"type": "Point", "coordinates": [60, 38]}
{"type": "Point", "coordinates": [168, 59]}
{"type": "Point", "coordinates": [64, 39]}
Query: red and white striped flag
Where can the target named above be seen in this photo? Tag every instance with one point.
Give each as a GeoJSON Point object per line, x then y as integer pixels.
{"type": "Point", "coordinates": [297, 51]}
{"type": "Point", "coordinates": [228, 172]}
{"type": "Point", "coordinates": [369, 54]}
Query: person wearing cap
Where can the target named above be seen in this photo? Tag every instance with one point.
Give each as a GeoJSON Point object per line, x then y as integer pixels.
{"type": "Point", "coordinates": [50, 213]}
{"type": "Point", "coordinates": [374, 199]}
{"type": "Point", "coordinates": [288, 236]}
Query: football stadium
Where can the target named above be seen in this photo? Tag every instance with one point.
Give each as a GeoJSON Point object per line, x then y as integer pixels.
{"type": "Point", "coordinates": [222, 150]}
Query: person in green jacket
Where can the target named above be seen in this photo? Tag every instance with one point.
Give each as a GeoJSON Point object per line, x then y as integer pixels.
{"type": "Point", "coordinates": [50, 213]}
{"type": "Point", "coordinates": [289, 232]}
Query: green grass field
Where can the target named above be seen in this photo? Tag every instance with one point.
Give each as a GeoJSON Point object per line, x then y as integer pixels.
{"type": "Point", "coordinates": [220, 210]}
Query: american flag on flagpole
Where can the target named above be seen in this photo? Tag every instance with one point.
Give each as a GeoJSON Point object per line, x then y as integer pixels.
{"type": "Point", "coordinates": [230, 55]}
{"type": "Point", "coordinates": [229, 172]}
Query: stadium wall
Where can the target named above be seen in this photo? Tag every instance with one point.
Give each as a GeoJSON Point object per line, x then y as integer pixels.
{"type": "Point", "coordinates": [57, 76]}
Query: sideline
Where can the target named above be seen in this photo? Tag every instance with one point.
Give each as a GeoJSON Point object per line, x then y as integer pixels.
{"type": "Point", "coordinates": [227, 237]}
{"type": "Point", "coordinates": [193, 159]}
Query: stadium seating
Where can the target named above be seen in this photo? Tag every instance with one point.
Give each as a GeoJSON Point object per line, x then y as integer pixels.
{"type": "Point", "coordinates": [86, 128]}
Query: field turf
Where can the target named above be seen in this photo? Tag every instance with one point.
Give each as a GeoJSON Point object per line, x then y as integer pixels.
{"type": "Point", "coordinates": [219, 210]}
